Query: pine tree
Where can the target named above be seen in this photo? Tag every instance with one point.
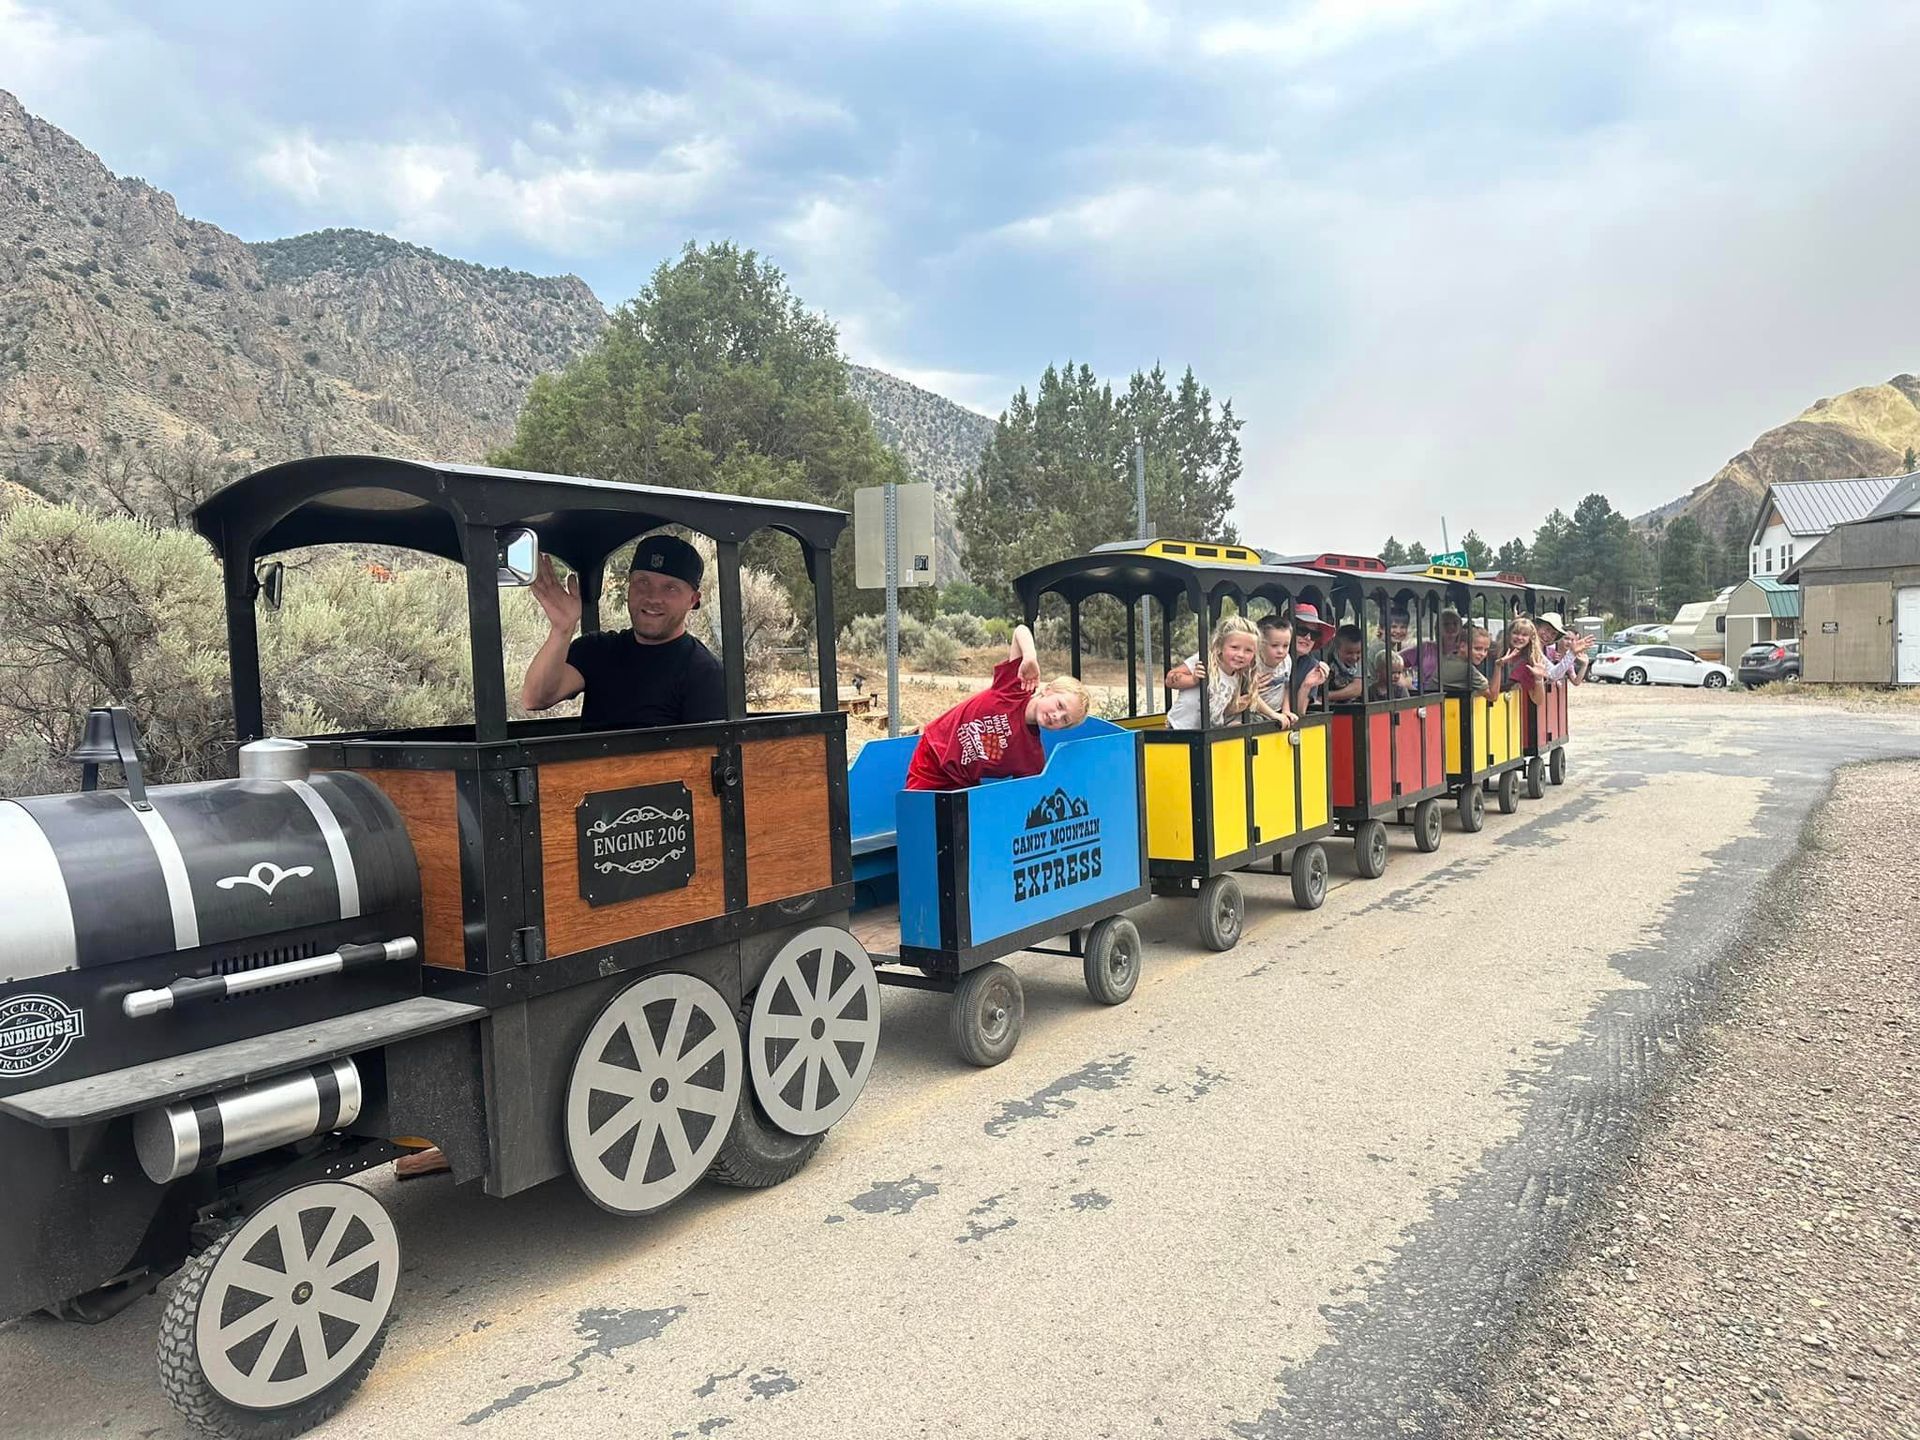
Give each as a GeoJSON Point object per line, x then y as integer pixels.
{"type": "Point", "coordinates": [1057, 476]}
{"type": "Point", "coordinates": [1393, 552]}
{"type": "Point", "coordinates": [1417, 554]}
{"type": "Point", "coordinates": [714, 377]}
{"type": "Point", "coordinates": [1684, 562]}
{"type": "Point", "coordinates": [1479, 555]}
{"type": "Point", "coordinates": [1512, 558]}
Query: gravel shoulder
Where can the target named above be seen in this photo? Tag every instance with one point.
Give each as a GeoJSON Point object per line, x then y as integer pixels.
{"type": "Point", "coordinates": [1754, 1270]}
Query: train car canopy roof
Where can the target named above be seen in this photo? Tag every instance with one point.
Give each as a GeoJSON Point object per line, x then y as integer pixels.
{"type": "Point", "coordinates": [424, 505]}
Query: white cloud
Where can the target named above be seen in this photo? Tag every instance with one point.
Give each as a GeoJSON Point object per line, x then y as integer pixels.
{"type": "Point", "coordinates": [1320, 29]}
{"type": "Point", "coordinates": [449, 194]}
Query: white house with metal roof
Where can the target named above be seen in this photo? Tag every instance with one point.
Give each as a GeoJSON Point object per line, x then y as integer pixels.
{"type": "Point", "coordinates": [1795, 513]}
{"type": "Point", "coordinates": [1860, 595]}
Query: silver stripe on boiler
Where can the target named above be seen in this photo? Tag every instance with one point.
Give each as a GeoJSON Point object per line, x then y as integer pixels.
{"type": "Point", "coordinates": [173, 867]}
{"type": "Point", "coordinates": [338, 851]}
{"type": "Point", "coordinates": [38, 934]}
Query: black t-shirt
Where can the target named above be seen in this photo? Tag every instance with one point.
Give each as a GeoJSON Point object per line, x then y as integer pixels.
{"type": "Point", "coordinates": [631, 686]}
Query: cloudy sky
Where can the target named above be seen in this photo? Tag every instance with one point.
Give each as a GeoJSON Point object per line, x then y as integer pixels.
{"type": "Point", "coordinates": [1448, 257]}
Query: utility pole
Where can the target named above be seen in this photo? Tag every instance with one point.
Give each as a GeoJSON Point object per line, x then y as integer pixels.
{"type": "Point", "coordinates": [1140, 516]}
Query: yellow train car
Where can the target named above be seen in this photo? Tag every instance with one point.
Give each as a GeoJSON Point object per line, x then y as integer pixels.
{"type": "Point", "coordinates": [1221, 798]}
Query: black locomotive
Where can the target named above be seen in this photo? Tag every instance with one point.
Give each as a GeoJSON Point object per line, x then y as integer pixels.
{"type": "Point", "coordinates": [621, 954]}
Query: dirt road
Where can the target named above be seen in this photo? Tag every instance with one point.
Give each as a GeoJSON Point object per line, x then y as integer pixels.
{"type": "Point", "coordinates": [1299, 1189]}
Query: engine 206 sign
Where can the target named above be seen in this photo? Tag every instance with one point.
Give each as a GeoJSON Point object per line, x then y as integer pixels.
{"type": "Point", "coordinates": [635, 842]}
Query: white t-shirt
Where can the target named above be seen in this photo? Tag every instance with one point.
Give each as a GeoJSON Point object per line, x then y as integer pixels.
{"type": "Point", "coordinates": [1273, 683]}
{"type": "Point", "coordinates": [1184, 712]}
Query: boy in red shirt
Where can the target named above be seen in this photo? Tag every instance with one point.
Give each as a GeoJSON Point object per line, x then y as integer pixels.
{"type": "Point", "coordinates": [995, 735]}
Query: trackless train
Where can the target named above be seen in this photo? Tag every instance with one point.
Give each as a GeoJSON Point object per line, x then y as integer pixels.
{"type": "Point", "coordinates": [638, 957]}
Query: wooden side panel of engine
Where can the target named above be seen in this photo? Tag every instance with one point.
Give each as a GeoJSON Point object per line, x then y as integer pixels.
{"type": "Point", "coordinates": [572, 925]}
{"type": "Point", "coordinates": [789, 819]}
{"type": "Point", "coordinates": [430, 807]}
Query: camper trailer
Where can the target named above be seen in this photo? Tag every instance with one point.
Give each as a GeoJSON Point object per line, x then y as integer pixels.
{"type": "Point", "coordinates": [1702, 626]}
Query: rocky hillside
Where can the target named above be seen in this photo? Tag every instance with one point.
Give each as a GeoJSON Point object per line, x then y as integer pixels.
{"type": "Point", "coordinates": [1863, 432]}
{"type": "Point", "coordinates": [148, 356]}
{"type": "Point", "coordinates": [132, 336]}
{"type": "Point", "coordinates": [940, 441]}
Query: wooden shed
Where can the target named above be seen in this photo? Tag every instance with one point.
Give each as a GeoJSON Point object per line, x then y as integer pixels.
{"type": "Point", "coordinates": [1860, 597]}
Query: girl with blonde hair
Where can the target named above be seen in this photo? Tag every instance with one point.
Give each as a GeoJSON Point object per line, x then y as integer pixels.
{"type": "Point", "coordinates": [1225, 676]}
{"type": "Point", "coordinates": [1525, 663]}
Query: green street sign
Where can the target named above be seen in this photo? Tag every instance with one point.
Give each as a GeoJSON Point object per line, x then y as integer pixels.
{"type": "Point", "coordinates": [1455, 558]}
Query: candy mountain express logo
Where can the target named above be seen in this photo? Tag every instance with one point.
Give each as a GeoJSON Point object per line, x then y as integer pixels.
{"type": "Point", "coordinates": [1060, 847]}
{"type": "Point", "coordinates": [35, 1031]}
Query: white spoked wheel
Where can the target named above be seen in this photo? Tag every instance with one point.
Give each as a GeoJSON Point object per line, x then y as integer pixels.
{"type": "Point", "coordinates": [814, 1030]}
{"type": "Point", "coordinates": [652, 1093]}
{"type": "Point", "coordinates": [274, 1326]}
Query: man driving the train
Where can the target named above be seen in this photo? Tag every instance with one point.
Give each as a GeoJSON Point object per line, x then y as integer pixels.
{"type": "Point", "coordinates": [653, 673]}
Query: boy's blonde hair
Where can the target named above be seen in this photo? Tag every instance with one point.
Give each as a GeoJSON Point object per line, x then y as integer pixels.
{"type": "Point", "coordinates": [1069, 686]}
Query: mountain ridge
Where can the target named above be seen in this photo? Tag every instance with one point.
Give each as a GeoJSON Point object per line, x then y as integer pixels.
{"type": "Point", "coordinates": [146, 356]}
{"type": "Point", "coordinates": [1862, 432]}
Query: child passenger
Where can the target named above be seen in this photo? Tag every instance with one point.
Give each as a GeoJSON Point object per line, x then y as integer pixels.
{"type": "Point", "coordinates": [1274, 669]}
{"type": "Point", "coordinates": [1346, 667]}
{"type": "Point", "coordinates": [1224, 678]}
{"type": "Point", "coordinates": [1390, 679]}
{"type": "Point", "coordinates": [1524, 666]}
{"type": "Point", "coordinates": [1461, 669]}
{"type": "Point", "coordinates": [995, 735]}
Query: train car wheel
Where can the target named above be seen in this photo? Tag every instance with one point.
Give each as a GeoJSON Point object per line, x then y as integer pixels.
{"type": "Point", "coordinates": [989, 1009]}
{"type": "Point", "coordinates": [1536, 778]}
{"type": "Point", "coordinates": [273, 1327]}
{"type": "Point", "coordinates": [1370, 849]}
{"type": "Point", "coordinates": [1222, 911]}
{"type": "Point", "coordinates": [1112, 961]}
{"type": "Point", "coordinates": [1310, 876]}
{"type": "Point", "coordinates": [1509, 792]}
{"type": "Point", "coordinates": [1426, 826]}
{"type": "Point", "coordinates": [814, 1031]}
{"type": "Point", "coordinates": [757, 1154]}
{"type": "Point", "coordinates": [654, 1090]}
{"type": "Point", "coordinates": [1557, 766]}
{"type": "Point", "coordinates": [1473, 809]}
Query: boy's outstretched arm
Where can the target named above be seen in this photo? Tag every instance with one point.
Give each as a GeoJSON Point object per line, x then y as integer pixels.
{"type": "Point", "coordinates": [1021, 649]}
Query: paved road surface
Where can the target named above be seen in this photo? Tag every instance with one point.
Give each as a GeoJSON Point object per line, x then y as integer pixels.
{"type": "Point", "coordinates": [1293, 1190]}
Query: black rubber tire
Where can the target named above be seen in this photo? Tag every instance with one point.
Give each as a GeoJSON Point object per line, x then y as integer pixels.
{"type": "Point", "coordinates": [1557, 766]}
{"type": "Point", "coordinates": [1507, 793]}
{"type": "Point", "coordinates": [1536, 778]}
{"type": "Point", "coordinates": [1310, 876]}
{"type": "Point", "coordinates": [1472, 808]}
{"type": "Point", "coordinates": [757, 1154]}
{"type": "Point", "coordinates": [1111, 965]}
{"type": "Point", "coordinates": [1427, 828]}
{"type": "Point", "coordinates": [1635, 676]}
{"type": "Point", "coordinates": [1370, 849]}
{"type": "Point", "coordinates": [185, 1385]}
{"type": "Point", "coordinates": [989, 1009]}
{"type": "Point", "coordinates": [1714, 681]}
{"type": "Point", "coordinates": [1222, 913]}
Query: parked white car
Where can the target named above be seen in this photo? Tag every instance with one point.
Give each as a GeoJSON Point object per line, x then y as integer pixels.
{"type": "Point", "coordinates": [1659, 665]}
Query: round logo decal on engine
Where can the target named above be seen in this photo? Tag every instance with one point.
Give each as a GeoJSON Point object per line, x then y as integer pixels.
{"type": "Point", "coordinates": [35, 1031]}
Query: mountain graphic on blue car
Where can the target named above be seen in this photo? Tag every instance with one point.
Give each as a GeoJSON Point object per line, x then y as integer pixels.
{"type": "Point", "coordinates": [1054, 808]}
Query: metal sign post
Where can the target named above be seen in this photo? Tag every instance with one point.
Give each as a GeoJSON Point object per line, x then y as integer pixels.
{"type": "Point", "coordinates": [891, 523]}
{"type": "Point", "coordinates": [893, 608]}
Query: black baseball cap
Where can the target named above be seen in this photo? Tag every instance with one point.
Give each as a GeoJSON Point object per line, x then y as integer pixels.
{"type": "Point", "coordinates": [667, 555]}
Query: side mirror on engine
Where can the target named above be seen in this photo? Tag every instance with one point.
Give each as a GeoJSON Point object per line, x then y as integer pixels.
{"type": "Point", "coordinates": [270, 583]}
{"type": "Point", "coordinates": [519, 557]}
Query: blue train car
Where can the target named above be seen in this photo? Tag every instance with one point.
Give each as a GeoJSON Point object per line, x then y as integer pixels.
{"type": "Point", "coordinates": [981, 873]}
